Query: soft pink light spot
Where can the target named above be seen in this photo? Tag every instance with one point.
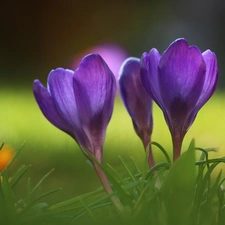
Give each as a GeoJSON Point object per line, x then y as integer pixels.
{"type": "Point", "coordinates": [113, 54]}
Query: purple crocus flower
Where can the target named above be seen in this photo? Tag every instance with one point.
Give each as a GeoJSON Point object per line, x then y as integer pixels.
{"type": "Point", "coordinates": [80, 102]}
{"type": "Point", "coordinates": [137, 101]}
{"type": "Point", "coordinates": [180, 81]}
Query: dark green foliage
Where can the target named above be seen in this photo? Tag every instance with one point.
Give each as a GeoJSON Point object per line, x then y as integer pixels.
{"type": "Point", "coordinates": [167, 194]}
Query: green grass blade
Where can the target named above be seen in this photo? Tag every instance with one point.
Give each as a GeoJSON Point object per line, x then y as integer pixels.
{"type": "Point", "coordinates": [8, 199]}
{"type": "Point", "coordinates": [117, 175]}
{"type": "Point", "coordinates": [73, 201]}
{"type": "Point", "coordinates": [201, 188]}
{"type": "Point", "coordinates": [2, 146]}
{"type": "Point", "coordinates": [162, 150]}
{"type": "Point", "coordinates": [17, 176]}
{"type": "Point", "coordinates": [135, 165]}
{"type": "Point", "coordinates": [159, 166]}
{"type": "Point", "coordinates": [43, 196]}
{"type": "Point", "coordinates": [89, 210]}
{"type": "Point", "coordinates": [123, 195]}
{"type": "Point", "coordinates": [127, 169]}
{"type": "Point", "coordinates": [40, 182]}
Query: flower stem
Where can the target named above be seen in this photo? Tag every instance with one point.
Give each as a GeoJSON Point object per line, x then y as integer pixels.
{"type": "Point", "coordinates": [151, 161]}
{"type": "Point", "coordinates": [105, 183]}
{"type": "Point", "coordinates": [177, 144]}
{"type": "Point", "coordinates": [146, 140]}
{"type": "Point", "coordinates": [108, 189]}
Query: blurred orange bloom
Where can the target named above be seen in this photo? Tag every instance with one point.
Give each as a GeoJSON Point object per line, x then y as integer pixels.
{"type": "Point", "coordinates": [6, 154]}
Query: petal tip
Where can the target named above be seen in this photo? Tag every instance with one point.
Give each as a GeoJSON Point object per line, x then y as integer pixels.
{"type": "Point", "coordinates": [129, 62]}
{"type": "Point", "coordinates": [91, 56]}
{"type": "Point", "coordinates": [37, 85]}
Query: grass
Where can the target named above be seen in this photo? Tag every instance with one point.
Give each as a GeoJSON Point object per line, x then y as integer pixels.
{"type": "Point", "coordinates": [47, 147]}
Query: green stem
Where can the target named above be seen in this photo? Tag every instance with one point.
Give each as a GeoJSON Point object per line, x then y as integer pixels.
{"type": "Point", "coordinates": [151, 161]}
{"type": "Point", "coordinates": [105, 183]}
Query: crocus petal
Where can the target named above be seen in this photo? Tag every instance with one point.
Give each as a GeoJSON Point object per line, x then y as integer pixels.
{"type": "Point", "coordinates": [211, 78]}
{"type": "Point", "coordinates": [60, 84]}
{"type": "Point", "coordinates": [210, 84]}
{"type": "Point", "coordinates": [49, 109]}
{"type": "Point", "coordinates": [181, 77]}
{"type": "Point", "coordinates": [94, 89]}
{"type": "Point", "coordinates": [149, 74]}
{"type": "Point", "coordinates": [136, 100]}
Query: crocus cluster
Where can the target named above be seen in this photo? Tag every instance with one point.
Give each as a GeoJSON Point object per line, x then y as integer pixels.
{"type": "Point", "coordinates": [180, 81]}
{"type": "Point", "coordinates": [80, 102]}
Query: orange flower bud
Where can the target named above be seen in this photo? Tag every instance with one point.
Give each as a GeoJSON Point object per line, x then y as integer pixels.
{"type": "Point", "coordinates": [6, 154]}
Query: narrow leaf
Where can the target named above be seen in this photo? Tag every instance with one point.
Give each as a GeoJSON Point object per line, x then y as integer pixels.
{"type": "Point", "coordinates": [177, 192]}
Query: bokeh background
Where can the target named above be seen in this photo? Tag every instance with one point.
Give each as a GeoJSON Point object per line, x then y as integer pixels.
{"type": "Point", "coordinates": [38, 36]}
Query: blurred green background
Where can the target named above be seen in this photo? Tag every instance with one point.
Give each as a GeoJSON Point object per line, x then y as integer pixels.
{"type": "Point", "coordinates": [38, 36]}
